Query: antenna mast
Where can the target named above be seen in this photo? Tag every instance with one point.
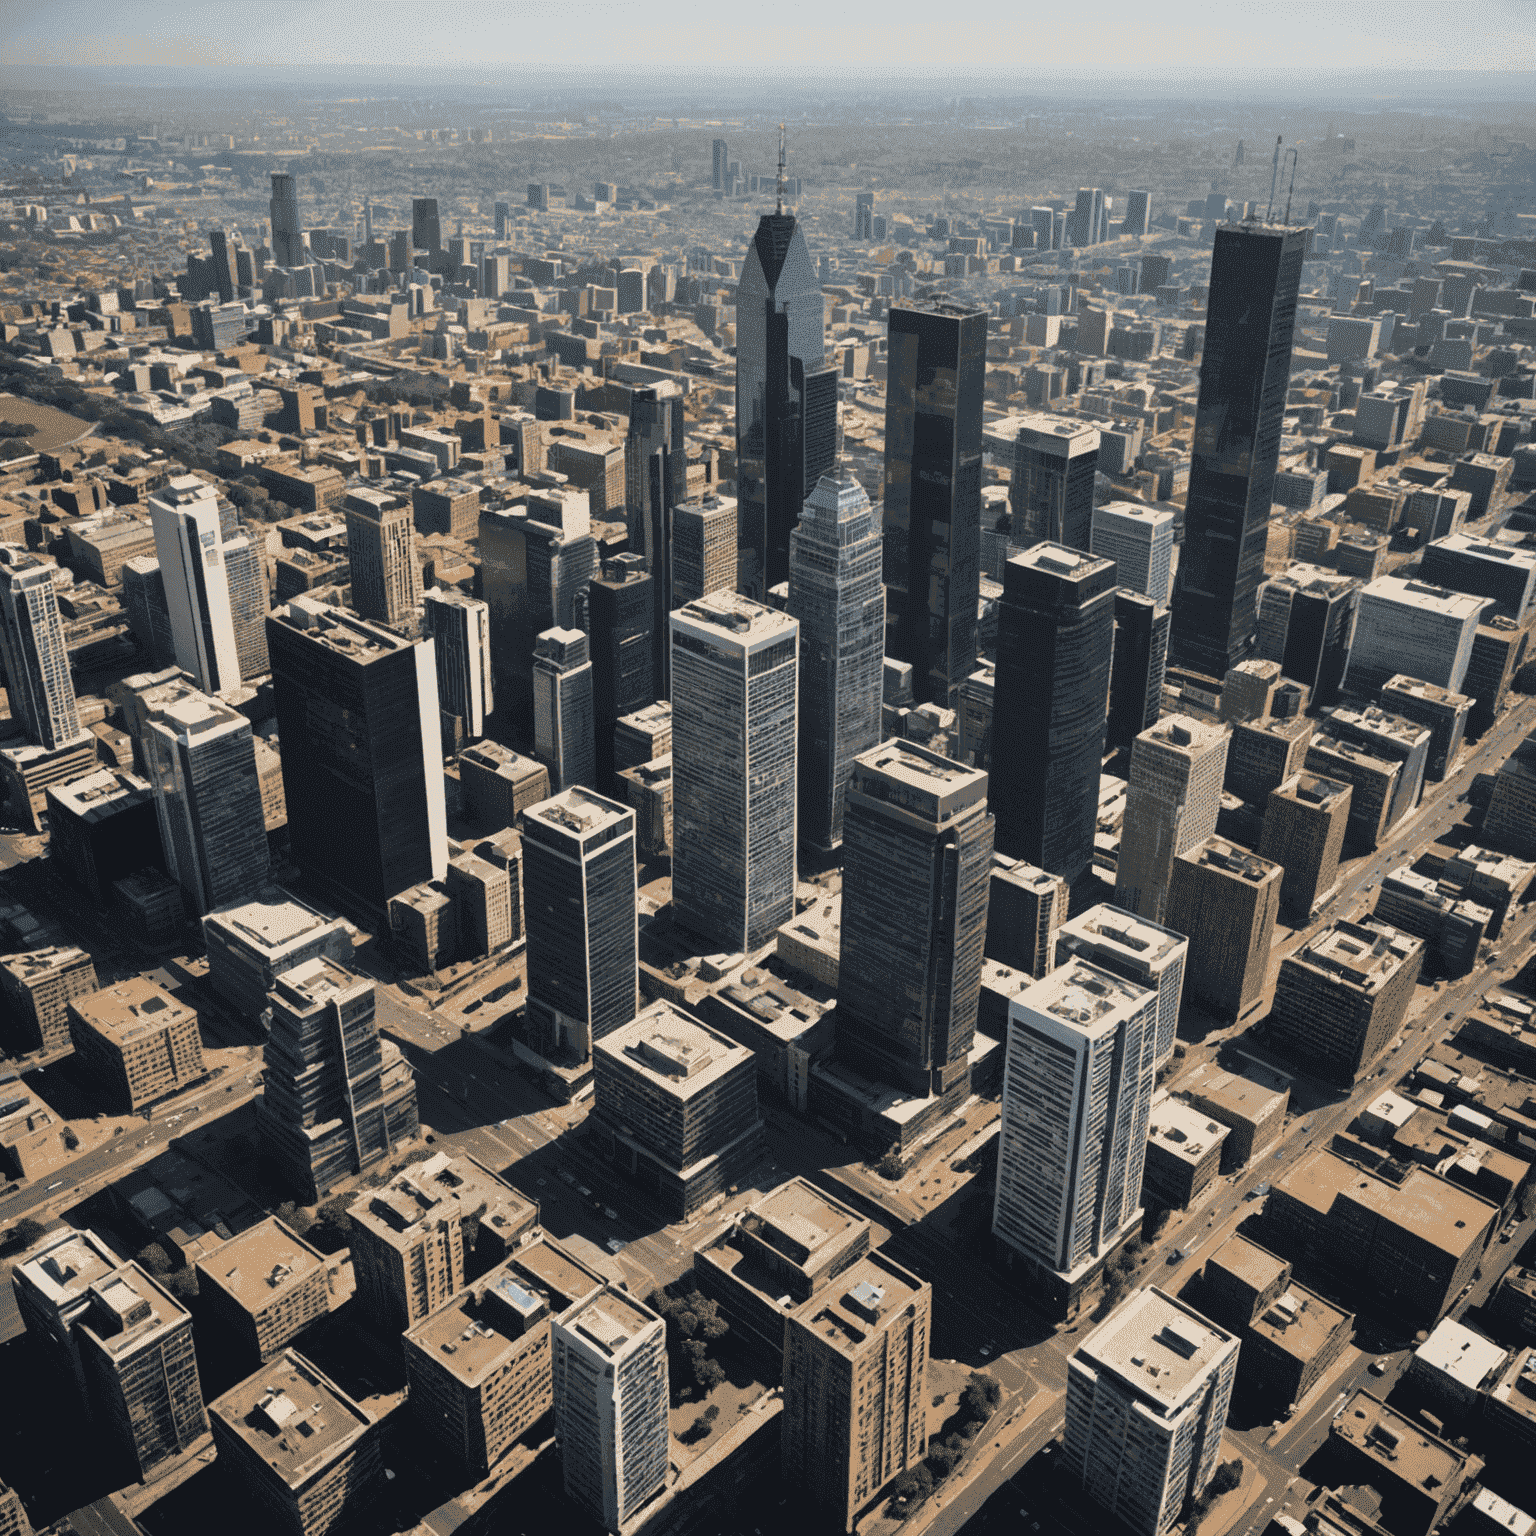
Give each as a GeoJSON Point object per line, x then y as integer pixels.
{"type": "Point", "coordinates": [1274, 175]}
{"type": "Point", "coordinates": [1294, 158]}
{"type": "Point", "coordinates": [781, 168]}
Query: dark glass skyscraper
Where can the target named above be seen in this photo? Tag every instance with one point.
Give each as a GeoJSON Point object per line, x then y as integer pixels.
{"type": "Point", "coordinates": [932, 508]}
{"type": "Point", "coordinates": [1244, 375]}
{"type": "Point", "coordinates": [620, 619]}
{"type": "Point", "coordinates": [786, 398]}
{"type": "Point", "coordinates": [1055, 460]}
{"type": "Point", "coordinates": [1140, 665]}
{"type": "Point", "coordinates": [426, 231]}
{"type": "Point", "coordinates": [656, 481]}
{"type": "Point", "coordinates": [1055, 636]}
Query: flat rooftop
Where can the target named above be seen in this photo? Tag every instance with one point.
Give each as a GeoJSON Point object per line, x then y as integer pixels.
{"type": "Point", "coordinates": [131, 1010]}
{"type": "Point", "coordinates": [1255, 1266]}
{"type": "Point", "coordinates": [1135, 511]}
{"type": "Point", "coordinates": [340, 630]}
{"type": "Point", "coordinates": [1315, 580]}
{"type": "Point", "coordinates": [1179, 1130]}
{"type": "Point", "coordinates": [913, 779]}
{"type": "Point", "coordinates": [737, 620]}
{"type": "Point", "coordinates": [1067, 434]}
{"type": "Point", "coordinates": [1218, 853]}
{"type": "Point", "coordinates": [1363, 955]}
{"type": "Point", "coordinates": [543, 1264]}
{"type": "Point", "coordinates": [317, 981]}
{"type": "Point", "coordinates": [1406, 1453]}
{"type": "Point", "coordinates": [101, 794]}
{"type": "Point", "coordinates": [581, 812]}
{"type": "Point", "coordinates": [1426, 599]}
{"type": "Point", "coordinates": [673, 1053]}
{"type": "Point", "coordinates": [1082, 995]}
{"type": "Point", "coordinates": [1461, 1353]}
{"type": "Point", "coordinates": [1372, 721]}
{"type": "Point", "coordinates": [259, 1265]}
{"type": "Point", "coordinates": [431, 1190]}
{"type": "Point", "coordinates": [800, 1222]}
{"type": "Point", "coordinates": [66, 1264]}
{"type": "Point", "coordinates": [1431, 693]}
{"type": "Point", "coordinates": [1124, 934]}
{"type": "Point", "coordinates": [609, 1320]}
{"type": "Point", "coordinates": [1314, 789]}
{"type": "Point", "coordinates": [1058, 560]}
{"type": "Point", "coordinates": [1184, 734]}
{"type": "Point", "coordinates": [127, 1307]}
{"type": "Point", "coordinates": [847, 1315]}
{"type": "Point", "coordinates": [271, 923]}
{"type": "Point", "coordinates": [1156, 1346]}
{"type": "Point", "coordinates": [1299, 1321]}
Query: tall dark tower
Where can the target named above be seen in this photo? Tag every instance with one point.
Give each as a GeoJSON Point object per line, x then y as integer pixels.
{"type": "Point", "coordinates": [621, 623]}
{"type": "Point", "coordinates": [786, 395]}
{"type": "Point", "coordinates": [426, 229]}
{"type": "Point", "coordinates": [1055, 636]}
{"type": "Point", "coordinates": [932, 506]}
{"type": "Point", "coordinates": [655, 481]}
{"type": "Point", "coordinates": [1244, 375]}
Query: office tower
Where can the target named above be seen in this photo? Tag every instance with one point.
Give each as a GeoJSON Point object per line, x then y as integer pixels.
{"type": "Point", "coordinates": [864, 216]}
{"type": "Point", "coordinates": [252, 943]}
{"type": "Point", "coordinates": [222, 263]}
{"type": "Point", "coordinates": [1054, 462]}
{"type": "Point", "coordinates": [621, 628]}
{"type": "Point", "coordinates": [1136, 950]}
{"type": "Point", "coordinates": [1244, 374]}
{"type": "Point", "coordinates": [675, 1105]}
{"type": "Point", "coordinates": [264, 1287]}
{"type": "Point", "coordinates": [1304, 824]}
{"type": "Point", "coordinates": [460, 630]}
{"type": "Point", "coordinates": [381, 551]}
{"type": "Point", "coordinates": [37, 988]}
{"type": "Point", "coordinates": [367, 816]}
{"type": "Point", "coordinates": [1227, 901]}
{"type": "Point", "coordinates": [786, 397]}
{"type": "Point", "coordinates": [426, 230]}
{"type": "Point", "coordinates": [1087, 223]}
{"type": "Point", "coordinates": [1139, 539]}
{"type": "Point", "coordinates": [189, 544]}
{"type": "Point", "coordinates": [1385, 736]}
{"type": "Point", "coordinates": [335, 1099]}
{"type": "Point", "coordinates": [200, 760]}
{"type": "Point", "coordinates": [1137, 669]}
{"type": "Point", "coordinates": [1025, 908]}
{"type": "Point", "coordinates": [1342, 997]}
{"type": "Point", "coordinates": [704, 548]}
{"type": "Point", "coordinates": [721, 159]}
{"type": "Point", "coordinates": [1503, 573]}
{"type": "Point", "coordinates": [917, 858]}
{"type": "Point", "coordinates": [735, 723]}
{"type": "Point", "coordinates": [499, 784]}
{"type": "Point", "coordinates": [1445, 713]}
{"type": "Point", "coordinates": [1177, 768]}
{"type": "Point", "coordinates": [101, 829]}
{"type": "Point", "coordinates": [301, 1452]}
{"type": "Point", "coordinates": [855, 1386]}
{"type": "Point", "coordinates": [1077, 1094]}
{"type": "Point", "coordinates": [562, 708]}
{"type": "Point", "coordinates": [579, 856]}
{"type": "Point", "coordinates": [836, 595]}
{"type": "Point", "coordinates": [932, 503]}
{"type": "Point", "coordinates": [288, 248]}
{"type": "Point", "coordinates": [1138, 214]}
{"type": "Point", "coordinates": [611, 1400]}
{"type": "Point", "coordinates": [655, 482]}
{"type": "Point", "coordinates": [135, 1044]}
{"type": "Point", "coordinates": [1043, 222]}
{"type": "Point", "coordinates": [1410, 627]}
{"type": "Point", "coordinates": [409, 1246]}
{"type": "Point", "coordinates": [1055, 634]}
{"type": "Point", "coordinates": [248, 606]}
{"type": "Point", "coordinates": [1147, 1397]}
{"type": "Point", "coordinates": [145, 606]}
{"type": "Point", "coordinates": [1248, 691]}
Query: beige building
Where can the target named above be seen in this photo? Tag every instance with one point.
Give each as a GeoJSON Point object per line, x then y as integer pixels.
{"type": "Point", "coordinates": [266, 1285]}
{"type": "Point", "coordinates": [37, 988]}
{"type": "Point", "coordinates": [136, 1042]}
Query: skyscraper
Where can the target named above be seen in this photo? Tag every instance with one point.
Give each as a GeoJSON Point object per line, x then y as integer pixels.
{"type": "Point", "coordinates": [1138, 668]}
{"type": "Point", "coordinates": [1139, 539]}
{"type": "Point", "coordinates": [1054, 463]}
{"type": "Point", "coordinates": [734, 728]}
{"type": "Point", "coordinates": [381, 552]}
{"type": "Point", "coordinates": [460, 631]}
{"type": "Point", "coordinates": [287, 238]}
{"type": "Point", "coordinates": [249, 605]}
{"type": "Point", "coordinates": [37, 676]}
{"type": "Point", "coordinates": [656, 481]}
{"type": "Point", "coordinates": [720, 163]}
{"type": "Point", "coordinates": [864, 216]}
{"type": "Point", "coordinates": [426, 230]}
{"type": "Point", "coordinates": [786, 397]}
{"type": "Point", "coordinates": [1055, 635]}
{"type": "Point", "coordinates": [917, 856]}
{"type": "Point", "coordinates": [623, 646]}
{"type": "Point", "coordinates": [562, 708]}
{"type": "Point", "coordinates": [1306, 622]}
{"type": "Point", "coordinates": [361, 749]}
{"type": "Point", "coordinates": [836, 594]}
{"type": "Point", "coordinates": [1077, 1095]}
{"type": "Point", "coordinates": [579, 876]}
{"type": "Point", "coordinates": [704, 552]}
{"type": "Point", "coordinates": [1086, 224]}
{"type": "Point", "coordinates": [932, 505]}
{"type": "Point", "coordinates": [189, 545]}
{"type": "Point", "coordinates": [1226, 900]}
{"type": "Point", "coordinates": [1245, 371]}
{"type": "Point", "coordinates": [1138, 213]}
{"type": "Point", "coordinates": [200, 760]}
{"type": "Point", "coordinates": [1177, 769]}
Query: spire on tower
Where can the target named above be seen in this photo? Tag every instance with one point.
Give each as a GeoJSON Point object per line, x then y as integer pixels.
{"type": "Point", "coordinates": [781, 168]}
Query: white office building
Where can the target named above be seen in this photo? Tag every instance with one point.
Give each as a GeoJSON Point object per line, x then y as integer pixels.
{"type": "Point", "coordinates": [1139, 539]}
{"type": "Point", "coordinates": [1412, 628]}
{"type": "Point", "coordinates": [460, 628]}
{"type": "Point", "coordinates": [189, 545]}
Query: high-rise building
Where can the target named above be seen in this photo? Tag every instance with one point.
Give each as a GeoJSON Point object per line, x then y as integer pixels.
{"type": "Point", "coordinates": [611, 1401]}
{"type": "Point", "coordinates": [1444, 712]}
{"type": "Point", "coordinates": [460, 630]}
{"type": "Point", "coordinates": [1177, 768]}
{"type": "Point", "coordinates": [1406, 626]}
{"type": "Point", "coordinates": [1305, 819]}
{"type": "Point", "coordinates": [622, 634]}
{"type": "Point", "coordinates": [1136, 950]}
{"type": "Point", "coordinates": [1077, 1095]}
{"type": "Point", "coordinates": [864, 216]}
{"type": "Point", "coordinates": [37, 987]}
{"type": "Point", "coordinates": [786, 397]}
{"type": "Point", "coordinates": [1137, 669]}
{"type": "Point", "coordinates": [288, 247]}
{"type": "Point", "coordinates": [426, 229]}
{"type": "Point", "coordinates": [335, 1098]}
{"type": "Point", "coordinates": [562, 708]}
{"type": "Point", "coordinates": [836, 595]}
{"type": "Point", "coordinates": [249, 605]}
{"type": "Point", "coordinates": [1503, 573]}
{"type": "Point", "coordinates": [583, 978]}
{"type": "Point", "coordinates": [381, 552]}
{"type": "Point", "coordinates": [1245, 372]}
{"type": "Point", "coordinates": [855, 1386]}
{"type": "Point", "coordinates": [932, 500]}
{"type": "Point", "coordinates": [704, 550]}
{"type": "Point", "coordinates": [1139, 539]}
{"type": "Point", "coordinates": [148, 614]}
{"type": "Point", "coordinates": [1025, 909]}
{"type": "Point", "coordinates": [1138, 214]}
{"type": "Point", "coordinates": [1307, 623]}
{"type": "Point", "coordinates": [33, 648]}
{"type": "Point", "coordinates": [1055, 636]}
{"type": "Point", "coordinates": [734, 731]}
{"type": "Point", "coordinates": [1147, 1398]}
{"type": "Point", "coordinates": [1054, 463]}
{"type": "Point", "coordinates": [655, 481]}
{"type": "Point", "coordinates": [189, 545]}
{"type": "Point", "coordinates": [362, 767]}
{"type": "Point", "coordinates": [502, 213]}
{"type": "Point", "coordinates": [720, 162]}
{"type": "Point", "coordinates": [1226, 900]}
{"type": "Point", "coordinates": [1087, 223]}
{"type": "Point", "coordinates": [135, 1044]}
{"type": "Point", "coordinates": [13, 1514]}
{"type": "Point", "coordinates": [200, 760]}
{"type": "Point", "coordinates": [917, 859]}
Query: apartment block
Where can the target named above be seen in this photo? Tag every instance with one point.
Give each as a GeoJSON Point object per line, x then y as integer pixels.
{"type": "Point", "coordinates": [265, 1286]}
{"type": "Point", "coordinates": [37, 987]}
{"type": "Point", "coordinates": [1226, 900]}
{"type": "Point", "coordinates": [250, 944]}
{"type": "Point", "coordinates": [1026, 907]}
{"type": "Point", "coordinates": [1444, 713]}
{"type": "Point", "coordinates": [1412, 627]}
{"type": "Point", "coordinates": [499, 784]}
{"type": "Point", "coordinates": [1304, 824]}
{"type": "Point", "coordinates": [136, 1043]}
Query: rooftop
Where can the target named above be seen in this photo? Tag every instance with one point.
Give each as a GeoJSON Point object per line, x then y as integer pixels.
{"type": "Point", "coordinates": [847, 1315]}
{"type": "Point", "coordinates": [1157, 1346]}
{"type": "Point", "coordinates": [130, 1010]}
{"type": "Point", "coordinates": [340, 630]}
{"type": "Point", "coordinates": [581, 812]}
{"type": "Point", "coordinates": [671, 1051]}
{"type": "Point", "coordinates": [1058, 560]}
{"type": "Point", "coordinates": [736, 619]}
{"type": "Point", "coordinates": [1403, 1450]}
{"type": "Point", "coordinates": [270, 922]}
{"type": "Point", "coordinates": [101, 794]}
{"type": "Point", "coordinates": [1516, 1387]}
{"type": "Point", "coordinates": [1123, 933]}
{"type": "Point", "coordinates": [543, 1264]}
{"type": "Point", "coordinates": [1218, 853]}
{"type": "Point", "coordinates": [1365, 955]}
{"type": "Point", "coordinates": [127, 1307]}
{"type": "Point", "coordinates": [1183, 1132]}
{"type": "Point", "coordinates": [1081, 995]}
{"type": "Point", "coordinates": [911, 778]}
{"type": "Point", "coordinates": [1421, 596]}
{"type": "Point", "coordinates": [1431, 693]}
{"type": "Point", "coordinates": [66, 1264]}
{"type": "Point", "coordinates": [260, 1264]}
{"type": "Point", "coordinates": [1313, 789]}
{"type": "Point", "coordinates": [1461, 1353]}
{"type": "Point", "coordinates": [609, 1320]}
{"type": "Point", "coordinates": [1184, 734]}
{"type": "Point", "coordinates": [435, 1190]}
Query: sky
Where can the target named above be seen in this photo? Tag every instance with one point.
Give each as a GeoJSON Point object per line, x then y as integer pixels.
{"type": "Point", "coordinates": [1202, 40]}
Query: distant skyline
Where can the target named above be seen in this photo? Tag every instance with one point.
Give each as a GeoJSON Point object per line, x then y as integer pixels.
{"type": "Point", "coordinates": [1184, 40]}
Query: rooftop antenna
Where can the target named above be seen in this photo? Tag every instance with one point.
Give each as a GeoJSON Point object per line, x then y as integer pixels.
{"type": "Point", "coordinates": [781, 169]}
{"type": "Point", "coordinates": [1294, 157]}
{"type": "Point", "coordinates": [1274, 175]}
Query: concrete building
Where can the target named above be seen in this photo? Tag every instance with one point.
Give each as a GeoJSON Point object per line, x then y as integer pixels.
{"type": "Point", "coordinates": [1454, 1366]}
{"type": "Point", "coordinates": [1183, 1153]}
{"type": "Point", "coordinates": [1510, 821]}
{"type": "Point", "coordinates": [102, 828]}
{"type": "Point", "coordinates": [735, 720]}
{"type": "Point", "coordinates": [38, 987]}
{"type": "Point", "coordinates": [1304, 824]}
{"type": "Point", "coordinates": [447, 506]}
{"type": "Point", "coordinates": [1387, 736]}
{"type": "Point", "coordinates": [1139, 539]}
{"type": "Point", "coordinates": [1227, 901]}
{"type": "Point", "coordinates": [189, 544]}
{"type": "Point", "coordinates": [611, 1399]}
{"type": "Point", "coordinates": [39, 686]}
{"type": "Point", "coordinates": [1373, 778]}
{"type": "Point", "coordinates": [1177, 770]}
{"type": "Point", "coordinates": [1025, 909]}
{"type": "Point", "coordinates": [1251, 1103]}
{"type": "Point", "coordinates": [499, 784]}
{"type": "Point", "coordinates": [265, 1286]}
{"type": "Point", "coordinates": [305, 1455]}
{"type": "Point", "coordinates": [1138, 669]}
{"type": "Point", "coordinates": [381, 554]}
{"type": "Point", "coordinates": [1503, 573]}
{"type": "Point", "coordinates": [1263, 754]}
{"type": "Point", "coordinates": [855, 1386]}
{"type": "Point", "coordinates": [1147, 1397]}
{"type": "Point", "coordinates": [676, 1103]}
{"type": "Point", "coordinates": [1341, 997]}
{"type": "Point", "coordinates": [563, 724]}
{"type": "Point", "coordinates": [250, 944]}
{"type": "Point", "coordinates": [460, 629]}
{"type": "Point", "coordinates": [643, 735]}
{"type": "Point", "coordinates": [1407, 626]}
{"type": "Point", "coordinates": [135, 1044]}
{"type": "Point", "coordinates": [1416, 904]}
{"type": "Point", "coordinates": [703, 549]}
{"type": "Point", "coordinates": [1306, 623]}
{"type": "Point", "coordinates": [1055, 459]}
{"type": "Point", "coordinates": [32, 1137]}
{"type": "Point", "coordinates": [408, 1245]}
{"type": "Point", "coordinates": [1443, 712]}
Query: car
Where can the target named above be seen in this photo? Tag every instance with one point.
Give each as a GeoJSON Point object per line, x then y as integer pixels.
{"type": "Point", "coordinates": [610, 1213]}
{"type": "Point", "coordinates": [583, 1191]}
{"type": "Point", "coordinates": [568, 1177]}
{"type": "Point", "coordinates": [1378, 1367]}
{"type": "Point", "coordinates": [52, 1187]}
{"type": "Point", "coordinates": [616, 1245]}
{"type": "Point", "coordinates": [543, 1182]}
{"type": "Point", "coordinates": [985, 1352]}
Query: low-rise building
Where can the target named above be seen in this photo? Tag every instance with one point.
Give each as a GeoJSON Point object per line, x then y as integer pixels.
{"type": "Point", "coordinates": [37, 987]}
{"type": "Point", "coordinates": [32, 1137]}
{"type": "Point", "coordinates": [266, 1286]}
{"type": "Point", "coordinates": [1454, 1366]}
{"type": "Point", "coordinates": [1183, 1153]}
{"type": "Point", "coordinates": [786, 1024]}
{"type": "Point", "coordinates": [811, 942]}
{"type": "Point", "coordinates": [136, 1043]}
{"type": "Point", "coordinates": [1251, 1102]}
{"type": "Point", "coordinates": [1509, 1405]}
{"type": "Point", "coordinates": [500, 784]}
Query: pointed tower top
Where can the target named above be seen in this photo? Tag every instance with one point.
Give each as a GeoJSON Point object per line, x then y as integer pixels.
{"type": "Point", "coordinates": [780, 208]}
